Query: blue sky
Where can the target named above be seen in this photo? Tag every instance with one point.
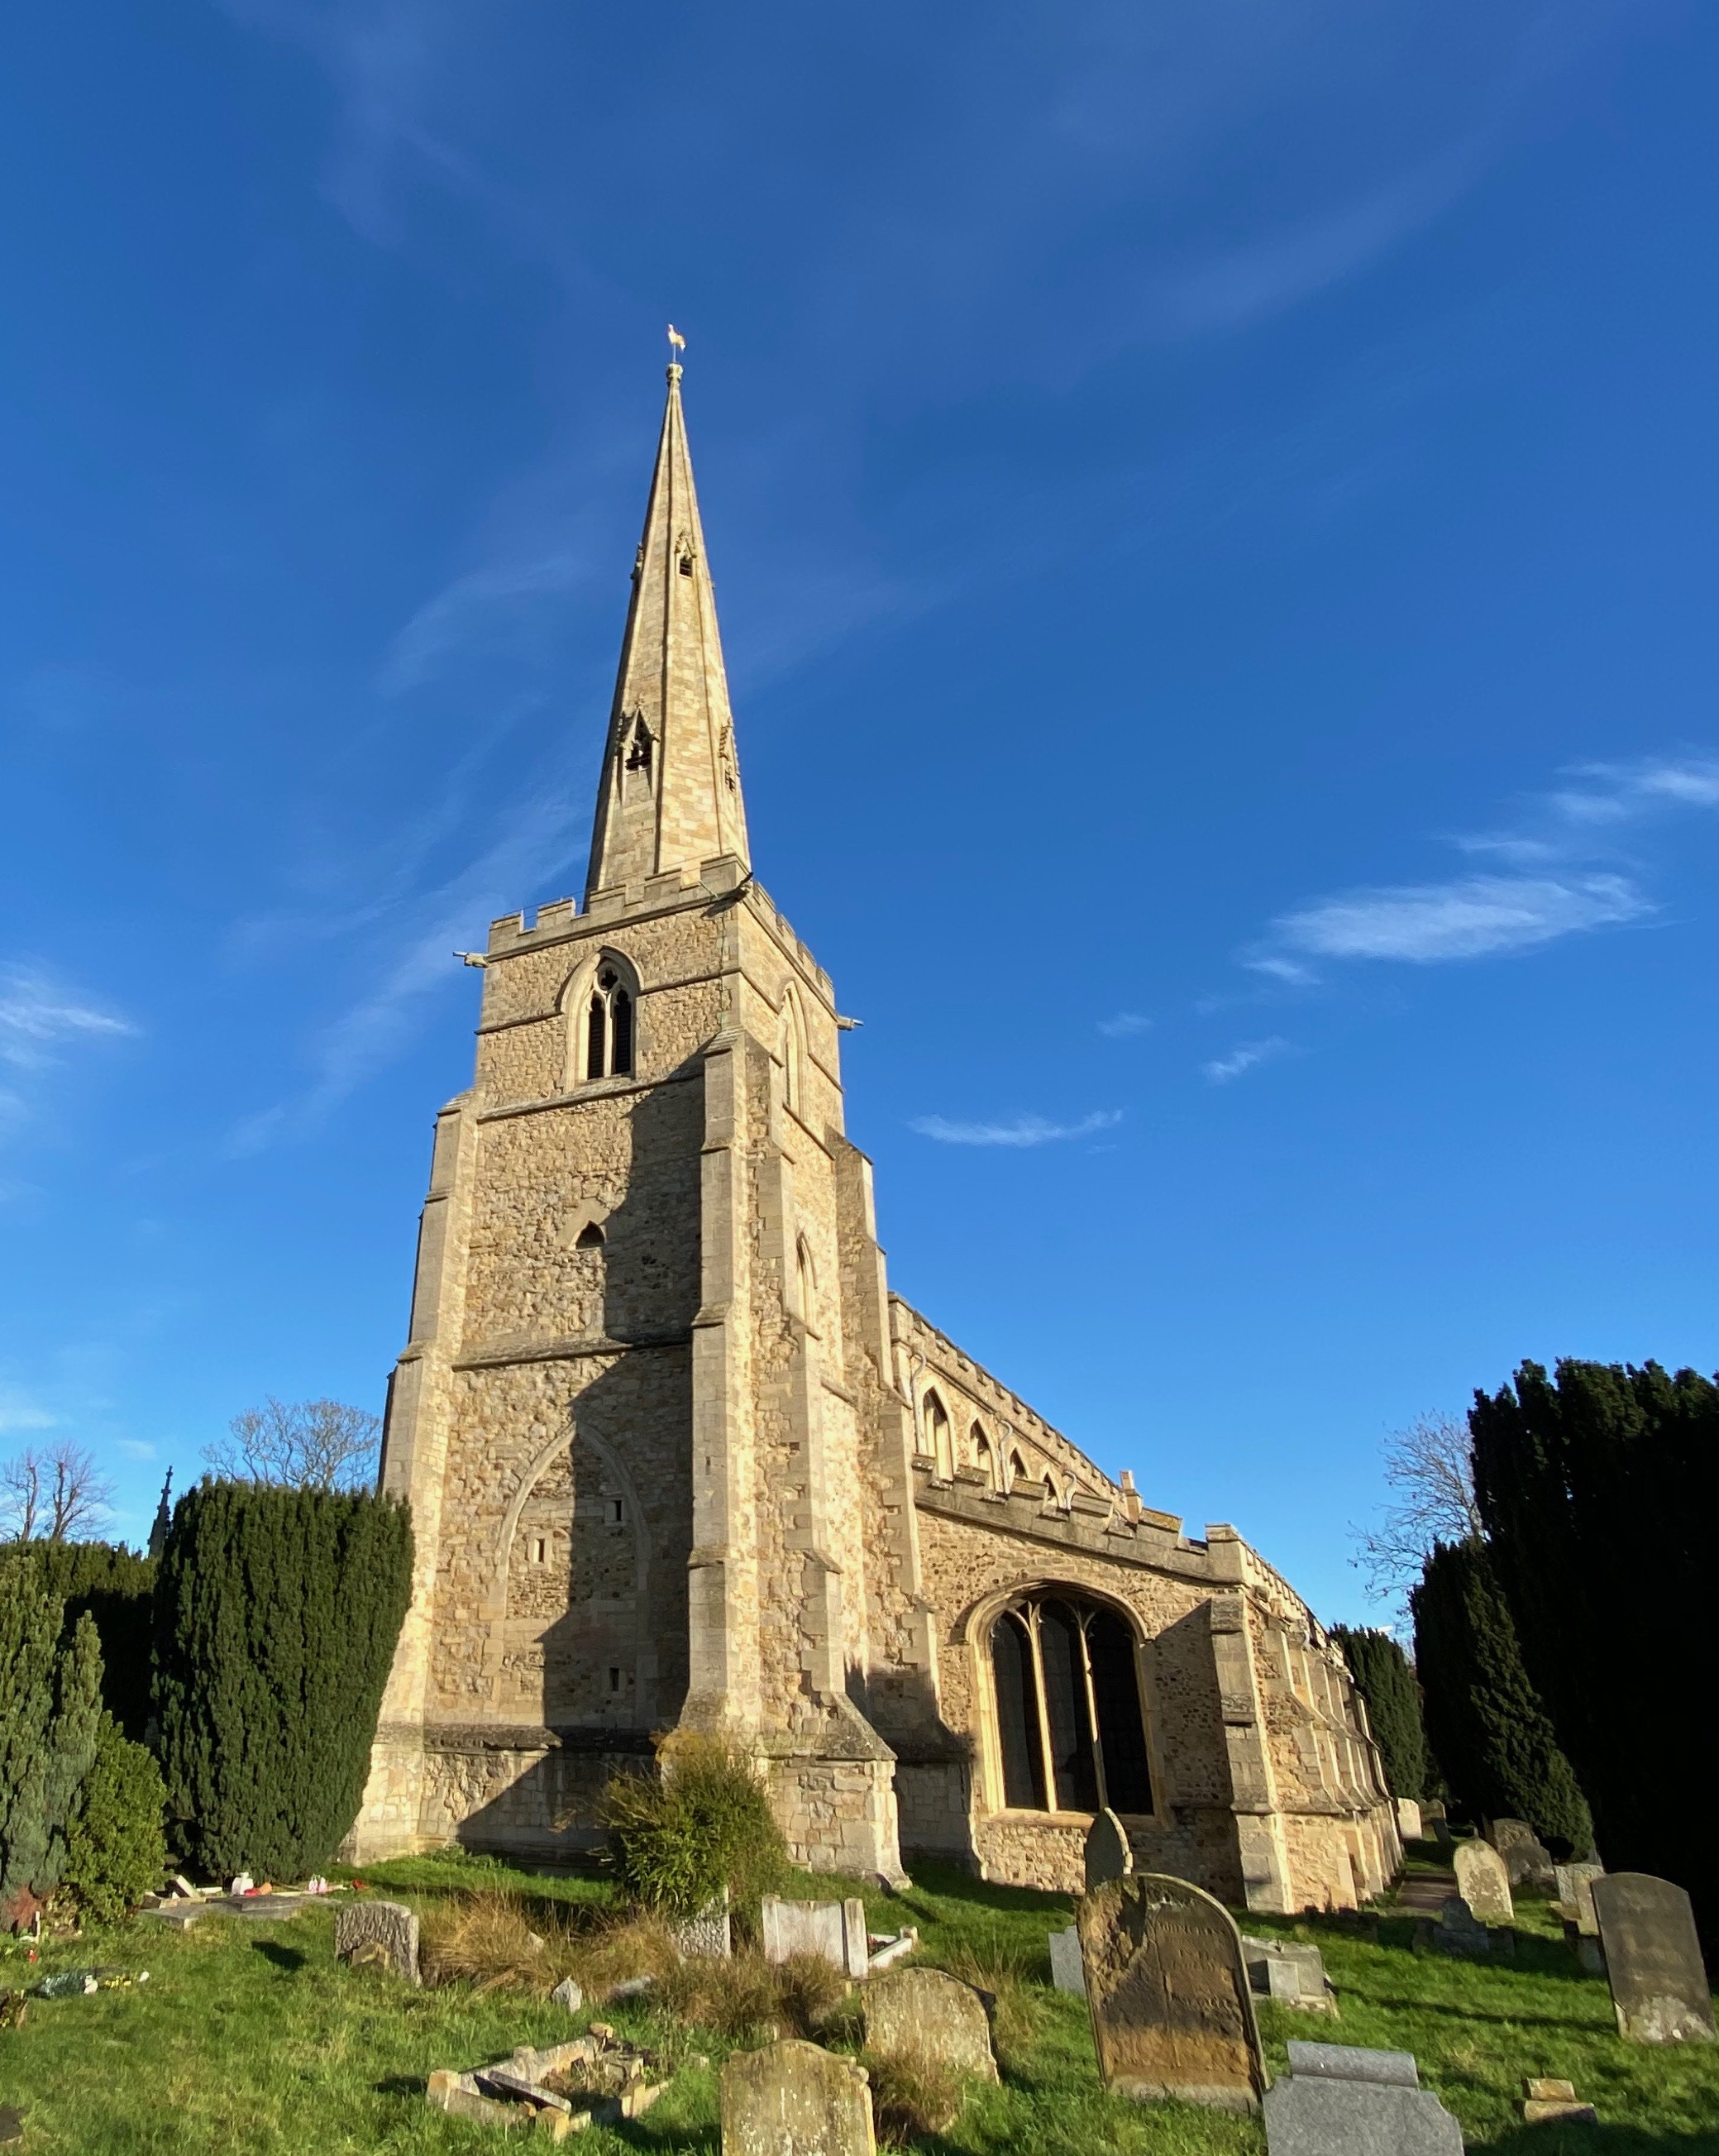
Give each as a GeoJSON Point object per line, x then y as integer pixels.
{"type": "Point", "coordinates": [1213, 513]}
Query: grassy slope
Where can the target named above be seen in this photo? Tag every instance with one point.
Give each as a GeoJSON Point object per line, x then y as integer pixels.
{"type": "Point", "coordinates": [249, 2036]}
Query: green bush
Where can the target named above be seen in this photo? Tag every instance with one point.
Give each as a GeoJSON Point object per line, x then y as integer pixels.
{"type": "Point", "coordinates": [115, 1850]}
{"type": "Point", "coordinates": [50, 1705]}
{"type": "Point", "coordinates": [701, 1823]}
{"type": "Point", "coordinates": [276, 1613]}
{"type": "Point", "coordinates": [113, 1585]}
{"type": "Point", "coordinates": [1483, 1716]}
{"type": "Point", "coordinates": [1599, 1487]}
{"type": "Point", "coordinates": [1385, 1680]}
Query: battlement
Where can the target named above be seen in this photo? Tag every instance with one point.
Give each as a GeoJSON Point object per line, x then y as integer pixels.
{"type": "Point", "coordinates": [722, 876]}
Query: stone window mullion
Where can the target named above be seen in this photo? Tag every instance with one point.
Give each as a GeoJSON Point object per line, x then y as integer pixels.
{"type": "Point", "coordinates": [1053, 1795]}
{"type": "Point", "coordinates": [1092, 1721]}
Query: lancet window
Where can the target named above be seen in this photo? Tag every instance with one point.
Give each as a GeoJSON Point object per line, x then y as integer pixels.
{"type": "Point", "coordinates": [608, 1025]}
{"type": "Point", "coordinates": [1070, 1724]}
{"type": "Point", "coordinates": [934, 1434]}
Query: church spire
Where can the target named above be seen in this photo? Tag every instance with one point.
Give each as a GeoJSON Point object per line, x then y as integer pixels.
{"type": "Point", "coordinates": [669, 796]}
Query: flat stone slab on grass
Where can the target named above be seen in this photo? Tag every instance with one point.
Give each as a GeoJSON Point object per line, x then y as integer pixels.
{"type": "Point", "coordinates": [928, 2015]}
{"type": "Point", "coordinates": [1288, 1972]}
{"type": "Point", "coordinates": [1483, 1882]}
{"type": "Point", "coordinates": [1308, 2116]}
{"type": "Point", "coordinates": [1354, 2062]}
{"type": "Point", "coordinates": [382, 1932]}
{"type": "Point", "coordinates": [1653, 1959]}
{"type": "Point", "coordinates": [795, 2099]}
{"type": "Point", "coordinates": [1172, 2015]}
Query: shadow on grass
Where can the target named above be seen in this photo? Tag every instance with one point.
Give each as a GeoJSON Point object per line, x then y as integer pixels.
{"type": "Point", "coordinates": [1432, 2009]}
{"type": "Point", "coordinates": [951, 1883]}
{"type": "Point", "coordinates": [289, 1959]}
{"type": "Point", "coordinates": [1602, 2140]}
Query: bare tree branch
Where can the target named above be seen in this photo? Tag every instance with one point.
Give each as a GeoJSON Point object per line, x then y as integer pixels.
{"type": "Point", "coordinates": [55, 1493]}
{"type": "Point", "coordinates": [300, 1444]}
{"type": "Point", "coordinates": [1430, 1472]}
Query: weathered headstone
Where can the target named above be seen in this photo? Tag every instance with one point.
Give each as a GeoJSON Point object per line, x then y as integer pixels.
{"type": "Point", "coordinates": [1461, 1931]}
{"type": "Point", "coordinates": [1441, 1832]}
{"type": "Point", "coordinates": [707, 1935]}
{"type": "Point", "coordinates": [1172, 2015]}
{"type": "Point", "coordinates": [1066, 1972]}
{"type": "Point", "coordinates": [835, 1931]}
{"type": "Point", "coordinates": [925, 2013]}
{"type": "Point", "coordinates": [383, 1933]}
{"type": "Point", "coordinates": [1574, 1883]}
{"type": "Point", "coordinates": [1548, 2101]}
{"type": "Point", "coordinates": [1527, 1861]}
{"type": "Point", "coordinates": [1339, 2100]}
{"type": "Point", "coordinates": [1108, 1854]}
{"type": "Point", "coordinates": [1653, 1959]}
{"type": "Point", "coordinates": [1288, 1972]}
{"type": "Point", "coordinates": [1483, 1882]}
{"type": "Point", "coordinates": [794, 2099]}
{"type": "Point", "coordinates": [567, 1994]}
{"type": "Point", "coordinates": [1408, 1819]}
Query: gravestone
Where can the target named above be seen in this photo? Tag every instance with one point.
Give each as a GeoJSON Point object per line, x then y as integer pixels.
{"type": "Point", "coordinates": [380, 1933]}
{"type": "Point", "coordinates": [923, 2013]}
{"type": "Point", "coordinates": [794, 2099]}
{"type": "Point", "coordinates": [1483, 1882]}
{"type": "Point", "coordinates": [568, 1994]}
{"type": "Point", "coordinates": [1526, 1859]}
{"type": "Point", "coordinates": [1653, 1959]}
{"type": "Point", "coordinates": [1409, 1820]}
{"type": "Point", "coordinates": [1108, 1854]}
{"type": "Point", "coordinates": [1441, 1832]}
{"type": "Point", "coordinates": [1575, 1889]}
{"type": "Point", "coordinates": [1339, 2100]}
{"type": "Point", "coordinates": [1066, 1972]}
{"type": "Point", "coordinates": [1172, 2015]}
{"type": "Point", "coordinates": [1291, 1973]}
{"type": "Point", "coordinates": [835, 1931]}
{"type": "Point", "coordinates": [708, 1934]}
{"type": "Point", "coordinates": [1461, 1931]}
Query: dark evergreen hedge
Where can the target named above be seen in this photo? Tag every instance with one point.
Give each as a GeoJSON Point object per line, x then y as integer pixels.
{"type": "Point", "coordinates": [276, 1613]}
{"type": "Point", "coordinates": [1385, 1680]}
{"type": "Point", "coordinates": [114, 1586]}
{"type": "Point", "coordinates": [1484, 1718]}
{"type": "Point", "coordinates": [1599, 1487]}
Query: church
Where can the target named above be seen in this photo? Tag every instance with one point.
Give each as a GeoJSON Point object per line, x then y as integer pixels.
{"type": "Point", "coordinates": [678, 1460]}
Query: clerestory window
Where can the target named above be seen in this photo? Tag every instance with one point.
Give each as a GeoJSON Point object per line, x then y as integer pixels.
{"type": "Point", "coordinates": [609, 1026]}
{"type": "Point", "coordinates": [1070, 1725]}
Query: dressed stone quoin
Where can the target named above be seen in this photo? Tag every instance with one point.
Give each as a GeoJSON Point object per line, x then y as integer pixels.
{"type": "Point", "coordinates": [678, 1459]}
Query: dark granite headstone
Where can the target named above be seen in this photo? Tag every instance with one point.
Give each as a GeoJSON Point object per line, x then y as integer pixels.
{"type": "Point", "coordinates": [1653, 1959]}
{"type": "Point", "coordinates": [1168, 1987]}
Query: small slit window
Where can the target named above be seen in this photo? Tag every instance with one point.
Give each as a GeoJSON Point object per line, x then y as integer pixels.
{"type": "Point", "coordinates": [539, 1549]}
{"type": "Point", "coordinates": [614, 1511]}
{"type": "Point", "coordinates": [590, 1237]}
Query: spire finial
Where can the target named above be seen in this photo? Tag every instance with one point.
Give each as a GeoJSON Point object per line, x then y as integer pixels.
{"type": "Point", "coordinates": [676, 343]}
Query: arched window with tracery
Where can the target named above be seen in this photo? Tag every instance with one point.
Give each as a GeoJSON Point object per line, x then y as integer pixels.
{"type": "Point", "coordinates": [1070, 1721]}
{"type": "Point", "coordinates": [609, 1023]}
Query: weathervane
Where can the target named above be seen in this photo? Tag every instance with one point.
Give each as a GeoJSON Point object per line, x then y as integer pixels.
{"type": "Point", "coordinates": [676, 343]}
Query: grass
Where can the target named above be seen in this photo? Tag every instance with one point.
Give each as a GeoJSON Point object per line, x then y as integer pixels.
{"type": "Point", "coordinates": [249, 2036]}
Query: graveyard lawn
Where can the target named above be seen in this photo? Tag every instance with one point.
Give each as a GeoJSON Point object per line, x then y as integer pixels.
{"type": "Point", "coordinates": [249, 2036]}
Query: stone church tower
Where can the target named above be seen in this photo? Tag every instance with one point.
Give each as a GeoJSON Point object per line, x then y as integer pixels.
{"type": "Point", "coordinates": [677, 1459]}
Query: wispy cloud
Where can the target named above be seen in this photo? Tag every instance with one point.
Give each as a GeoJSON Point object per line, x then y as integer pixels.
{"type": "Point", "coordinates": [475, 611]}
{"type": "Point", "coordinates": [19, 1412]}
{"type": "Point", "coordinates": [1020, 1131]}
{"type": "Point", "coordinates": [1572, 878]}
{"type": "Point", "coordinates": [38, 1017]}
{"type": "Point", "coordinates": [1125, 1025]}
{"type": "Point", "coordinates": [1249, 1055]}
{"type": "Point", "coordinates": [1473, 918]}
{"type": "Point", "coordinates": [134, 1448]}
{"type": "Point", "coordinates": [411, 948]}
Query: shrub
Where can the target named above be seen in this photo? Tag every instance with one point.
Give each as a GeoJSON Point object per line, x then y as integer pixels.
{"type": "Point", "coordinates": [1385, 1680]}
{"type": "Point", "coordinates": [1599, 1488]}
{"type": "Point", "coordinates": [50, 1705]}
{"type": "Point", "coordinates": [116, 1850]}
{"type": "Point", "coordinates": [740, 1998]}
{"type": "Point", "coordinates": [276, 1613]}
{"type": "Point", "coordinates": [701, 1823]}
{"type": "Point", "coordinates": [113, 1585]}
{"type": "Point", "coordinates": [1483, 1716]}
